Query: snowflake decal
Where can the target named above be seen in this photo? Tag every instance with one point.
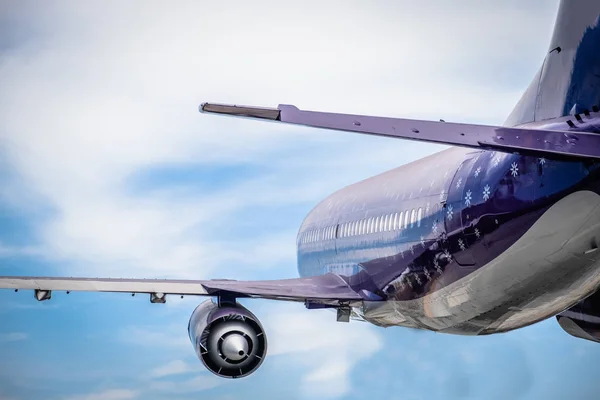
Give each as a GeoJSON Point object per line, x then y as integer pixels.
{"type": "Point", "coordinates": [459, 183]}
{"type": "Point", "coordinates": [412, 250]}
{"type": "Point", "coordinates": [486, 192]}
{"type": "Point", "coordinates": [461, 244]}
{"type": "Point", "coordinates": [468, 197]}
{"type": "Point", "coordinates": [434, 227]}
{"type": "Point", "coordinates": [477, 233]}
{"type": "Point", "coordinates": [448, 255]}
{"type": "Point", "coordinates": [450, 212]}
{"type": "Point", "coordinates": [418, 279]}
{"type": "Point", "coordinates": [514, 169]}
{"type": "Point", "coordinates": [422, 241]}
{"type": "Point", "coordinates": [542, 161]}
{"type": "Point", "coordinates": [496, 161]}
{"type": "Point", "coordinates": [427, 209]}
{"type": "Point", "coordinates": [436, 265]}
{"type": "Point", "coordinates": [442, 194]}
{"type": "Point", "coordinates": [427, 274]}
{"type": "Point", "coordinates": [477, 172]}
{"type": "Point", "coordinates": [409, 283]}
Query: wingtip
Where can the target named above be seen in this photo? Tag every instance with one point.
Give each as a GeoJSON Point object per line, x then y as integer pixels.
{"type": "Point", "coordinates": [240, 111]}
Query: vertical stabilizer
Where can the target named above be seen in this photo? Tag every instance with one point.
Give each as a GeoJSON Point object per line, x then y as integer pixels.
{"type": "Point", "coordinates": [568, 81]}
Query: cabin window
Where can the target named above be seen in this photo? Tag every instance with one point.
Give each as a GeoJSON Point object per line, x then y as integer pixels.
{"type": "Point", "coordinates": [413, 218]}
{"type": "Point", "coordinates": [419, 216]}
{"type": "Point", "coordinates": [376, 228]}
{"type": "Point", "coordinates": [406, 216]}
{"type": "Point", "coordinates": [385, 223]}
{"type": "Point", "coordinates": [353, 230]}
{"type": "Point", "coordinates": [390, 222]}
{"type": "Point", "coordinates": [400, 220]}
{"type": "Point", "coordinates": [395, 224]}
{"type": "Point", "coordinates": [362, 227]}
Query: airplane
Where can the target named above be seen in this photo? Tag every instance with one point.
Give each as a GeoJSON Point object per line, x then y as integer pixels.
{"type": "Point", "coordinates": [496, 233]}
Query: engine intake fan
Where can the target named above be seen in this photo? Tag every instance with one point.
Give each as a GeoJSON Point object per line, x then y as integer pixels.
{"type": "Point", "coordinates": [229, 340]}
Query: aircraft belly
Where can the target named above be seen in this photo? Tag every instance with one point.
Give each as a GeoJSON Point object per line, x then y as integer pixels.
{"type": "Point", "coordinates": [543, 273]}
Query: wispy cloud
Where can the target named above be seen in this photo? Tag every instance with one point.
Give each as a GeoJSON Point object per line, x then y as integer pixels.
{"type": "Point", "coordinates": [328, 349]}
{"type": "Point", "coordinates": [177, 367]}
{"type": "Point", "coordinates": [13, 337]}
{"type": "Point", "coordinates": [111, 394]}
{"type": "Point", "coordinates": [197, 384]}
{"type": "Point", "coordinates": [159, 336]}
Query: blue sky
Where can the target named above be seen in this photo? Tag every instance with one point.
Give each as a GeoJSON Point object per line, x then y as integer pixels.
{"type": "Point", "coordinates": [107, 169]}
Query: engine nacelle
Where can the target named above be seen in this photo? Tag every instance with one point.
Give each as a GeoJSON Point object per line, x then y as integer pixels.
{"type": "Point", "coordinates": [229, 340]}
{"type": "Point", "coordinates": [583, 319]}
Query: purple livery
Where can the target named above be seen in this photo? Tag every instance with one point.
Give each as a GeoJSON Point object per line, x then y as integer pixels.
{"type": "Point", "coordinates": [495, 234]}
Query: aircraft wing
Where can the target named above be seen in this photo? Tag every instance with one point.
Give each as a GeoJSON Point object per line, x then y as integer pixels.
{"type": "Point", "coordinates": [324, 289]}
{"type": "Point", "coordinates": [512, 140]}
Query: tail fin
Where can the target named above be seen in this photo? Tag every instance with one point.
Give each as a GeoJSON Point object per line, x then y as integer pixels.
{"type": "Point", "coordinates": [569, 80]}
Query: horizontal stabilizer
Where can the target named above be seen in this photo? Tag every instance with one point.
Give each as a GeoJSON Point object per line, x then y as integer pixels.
{"type": "Point", "coordinates": [511, 140]}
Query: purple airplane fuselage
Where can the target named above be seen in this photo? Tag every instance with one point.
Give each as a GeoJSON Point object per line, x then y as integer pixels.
{"type": "Point", "coordinates": [462, 241]}
{"type": "Point", "coordinates": [476, 241]}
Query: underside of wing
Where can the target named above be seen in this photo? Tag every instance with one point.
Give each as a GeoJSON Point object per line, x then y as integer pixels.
{"type": "Point", "coordinates": [540, 142]}
{"type": "Point", "coordinates": [329, 289]}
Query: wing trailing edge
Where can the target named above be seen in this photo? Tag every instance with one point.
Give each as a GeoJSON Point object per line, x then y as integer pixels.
{"type": "Point", "coordinates": [324, 289]}
{"type": "Point", "coordinates": [512, 140]}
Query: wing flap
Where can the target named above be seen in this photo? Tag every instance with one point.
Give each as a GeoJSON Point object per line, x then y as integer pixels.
{"type": "Point", "coordinates": [540, 142]}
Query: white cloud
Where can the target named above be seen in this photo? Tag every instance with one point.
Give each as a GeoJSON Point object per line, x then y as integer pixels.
{"type": "Point", "coordinates": [109, 90]}
{"type": "Point", "coordinates": [170, 336]}
{"type": "Point", "coordinates": [13, 337]}
{"type": "Point", "coordinates": [196, 384]}
{"type": "Point", "coordinates": [176, 367]}
{"type": "Point", "coordinates": [112, 394]}
{"type": "Point", "coordinates": [326, 349]}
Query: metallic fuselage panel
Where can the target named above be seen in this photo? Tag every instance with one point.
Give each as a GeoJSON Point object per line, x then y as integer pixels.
{"type": "Point", "coordinates": [503, 241]}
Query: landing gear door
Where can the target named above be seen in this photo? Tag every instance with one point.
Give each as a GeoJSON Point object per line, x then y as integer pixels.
{"type": "Point", "coordinates": [456, 211]}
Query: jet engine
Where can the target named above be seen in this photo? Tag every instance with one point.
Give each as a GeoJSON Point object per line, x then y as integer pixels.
{"type": "Point", "coordinates": [228, 339]}
{"type": "Point", "coordinates": [583, 319]}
